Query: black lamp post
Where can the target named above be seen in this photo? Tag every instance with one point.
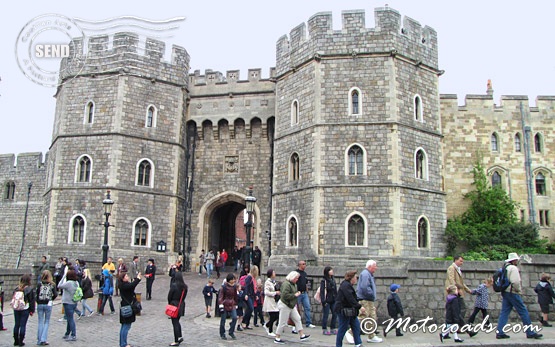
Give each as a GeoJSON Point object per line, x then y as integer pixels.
{"type": "Point", "coordinates": [108, 203]}
{"type": "Point", "coordinates": [249, 203]}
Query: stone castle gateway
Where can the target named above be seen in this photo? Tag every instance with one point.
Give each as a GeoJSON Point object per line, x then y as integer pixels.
{"type": "Point", "coordinates": [349, 147]}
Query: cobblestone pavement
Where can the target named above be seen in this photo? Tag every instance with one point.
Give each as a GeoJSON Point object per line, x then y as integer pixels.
{"type": "Point", "coordinates": [153, 328]}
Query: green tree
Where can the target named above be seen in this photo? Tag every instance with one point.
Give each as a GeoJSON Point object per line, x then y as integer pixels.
{"type": "Point", "coordinates": [489, 228]}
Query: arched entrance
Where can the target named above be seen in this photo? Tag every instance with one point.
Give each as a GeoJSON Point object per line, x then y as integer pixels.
{"type": "Point", "coordinates": [221, 223]}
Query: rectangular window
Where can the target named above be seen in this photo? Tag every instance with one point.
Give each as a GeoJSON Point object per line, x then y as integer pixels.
{"type": "Point", "coordinates": [544, 218]}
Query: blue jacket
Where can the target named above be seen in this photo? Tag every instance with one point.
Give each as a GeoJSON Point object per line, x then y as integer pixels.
{"type": "Point", "coordinates": [366, 289]}
{"type": "Point", "coordinates": [108, 286]}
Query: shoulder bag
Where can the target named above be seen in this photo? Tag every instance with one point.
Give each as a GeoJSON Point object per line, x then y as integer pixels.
{"type": "Point", "coordinates": [173, 311]}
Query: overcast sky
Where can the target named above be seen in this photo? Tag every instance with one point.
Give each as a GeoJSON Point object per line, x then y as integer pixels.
{"type": "Point", "coordinates": [509, 42]}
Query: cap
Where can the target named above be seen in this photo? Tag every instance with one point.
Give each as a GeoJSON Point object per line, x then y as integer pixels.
{"type": "Point", "coordinates": [394, 287]}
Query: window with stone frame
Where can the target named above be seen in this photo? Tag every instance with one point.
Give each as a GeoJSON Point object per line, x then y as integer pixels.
{"type": "Point", "coordinates": [9, 190]}
{"type": "Point", "coordinates": [78, 229]}
{"type": "Point", "coordinates": [544, 218]}
{"type": "Point", "coordinates": [423, 233]}
{"type": "Point", "coordinates": [355, 231]}
{"type": "Point", "coordinates": [355, 102]}
{"type": "Point", "coordinates": [151, 114]}
{"type": "Point", "coordinates": [295, 112]}
{"type": "Point", "coordinates": [494, 142]}
{"type": "Point", "coordinates": [496, 180]}
{"type": "Point", "coordinates": [84, 167]}
{"type": "Point", "coordinates": [418, 113]}
{"type": "Point", "coordinates": [518, 146]}
{"type": "Point", "coordinates": [540, 185]}
{"type": "Point", "coordinates": [294, 167]}
{"type": "Point", "coordinates": [421, 165]}
{"type": "Point", "coordinates": [292, 236]}
{"type": "Point", "coordinates": [538, 143]}
{"type": "Point", "coordinates": [89, 112]}
{"type": "Point", "coordinates": [356, 160]}
{"type": "Point", "coordinates": [144, 173]}
{"type": "Point", "coordinates": [141, 234]}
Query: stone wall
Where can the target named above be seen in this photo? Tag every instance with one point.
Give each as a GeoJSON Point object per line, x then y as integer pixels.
{"type": "Point", "coordinates": [422, 285]}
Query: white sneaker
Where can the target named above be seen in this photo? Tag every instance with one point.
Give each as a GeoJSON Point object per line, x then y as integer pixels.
{"type": "Point", "coordinates": [272, 334]}
{"type": "Point", "coordinates": [266, 328]}
{"type": "Point", "coordinates": [312, 326]}
{"type": "Point", "coordinates": [375, 339]}
{"type": "Point", "coordinates": [349, 337]}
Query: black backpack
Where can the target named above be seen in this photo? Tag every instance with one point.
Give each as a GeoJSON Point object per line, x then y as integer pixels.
{"type": "Point", "coordinates": [500, 279]}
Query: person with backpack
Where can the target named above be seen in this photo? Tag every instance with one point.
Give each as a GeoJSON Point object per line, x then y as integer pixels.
{"type": "Point", "coordinates": [23, 305]}
{"type": "Point", "coordinates": [545, 297]}
{"type": "Point", "coordinates": [176, 297]}
{"type": "Point", "coordinates": [46, 293]}
{"type": "Point", "coordinates": [248, 282]}
{"type": "Point", "coordinates": [107, 292]}
{"type": "Point", "coordinates": [512, 299]}
{"type": "Point", "coordinates": [127, 291]}
{"type": "Point", "coordinates": [70, 286]}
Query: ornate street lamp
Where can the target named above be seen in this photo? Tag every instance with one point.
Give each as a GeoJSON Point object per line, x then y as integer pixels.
{"type": "Point", "coordinates": [249, 203]}
{"type": "Point", "coordinates": [108, 204]}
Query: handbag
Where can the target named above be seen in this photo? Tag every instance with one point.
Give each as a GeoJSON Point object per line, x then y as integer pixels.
{"type": "Point", "coordinates": [349, 311]}
{"type": "Point", "coordinates": [173, 311]}
{"type": "Point", "coordinates": [136, 307]}
{"type": "Point", "coordinates": [126, 311]}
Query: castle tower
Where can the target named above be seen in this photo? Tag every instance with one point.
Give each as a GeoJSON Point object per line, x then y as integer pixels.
{"type": "Point", "coordinates": [119, 126]}
{"type": "Point", "coordinates": [358, 158]}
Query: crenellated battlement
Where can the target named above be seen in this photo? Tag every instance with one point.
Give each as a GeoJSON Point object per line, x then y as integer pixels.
{"type": "Point", "coordinates": [211, 77]}
{"type": "Point", "coordinates": [410, 39]}
{"type": "Point", "coordinates": [544, 104]}
{"type": "Point", "coordinates": [26, 162]}
{"type": "Point", "coordinates": [125, 53]}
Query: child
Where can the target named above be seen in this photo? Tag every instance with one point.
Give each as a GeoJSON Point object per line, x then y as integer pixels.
{"type": "Point", "coordinates": [545, 297]}
{"type": "Point", "coordinates": [258, 302]}
{"type": "Point", "coordinates": [394, 307]}
{"type": "Point", "coordinates": [452, 314]}
{"type": "Point", "coordinates": [241, 303]}
{"type": "Point", "coordinates": [207, 291]}
{"type": "Point", "coordinates": [482, 299]}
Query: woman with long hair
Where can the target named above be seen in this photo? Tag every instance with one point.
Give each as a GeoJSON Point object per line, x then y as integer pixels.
{"type": "Point", "coordinates": [328, 292]}
{"type": "Point", "coordinates": [176, 297]}
{"type": "Point", "coordinates": [347, 307]}
{"type": "Point", "coordinates": [227, 303]}
{"type": "Point", "coordinates": [86, 285]}
{"type": "Point", "coordinates": [271, 297]}
{"type": "Point", "coordinates": [46, 293]}
{"type": "Point", "coordinates": [21, 316]}
{"type": "Point", "coordinates": [69, 285]}
{"type": "Point", "coordinates": [127, 293]}
{"type": "Point", "coordinates": [250, 283]}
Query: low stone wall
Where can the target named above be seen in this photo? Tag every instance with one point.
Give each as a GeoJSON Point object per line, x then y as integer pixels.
{"type": "Point", "coordinates": [422, 286]}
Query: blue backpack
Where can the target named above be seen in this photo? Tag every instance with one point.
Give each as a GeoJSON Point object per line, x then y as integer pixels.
{"type": "Point", "coordinates": [500, 280]}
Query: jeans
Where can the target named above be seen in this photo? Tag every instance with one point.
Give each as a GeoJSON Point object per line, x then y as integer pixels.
{"type": "Point", "coordinates": [43, 313]}
{"type": "Point", "coordinates": [123, 331]}
{"type": "Point", "coordinates": [69, 310]}
{"type": "Point", "coordinates": [176, 328]}
{"type": "Point", "coordinates": [209, 269]}
{"type": "Point", "coordinates": [304, 301]}
{"type": "Point", "coordinates": [248, 311]}
{"type": "Point", "coordinates": [236, 261]}
{"type": "Point", "coordinates": [326, 310]}
{"type": "Point", "coordinates": [104, 299]}
{"type": "Point", "coordinates": [344, 324]}
{"type": "Point", "coordinates": [85, 307]}
{"type": "Point", "coordinates": [511, 300]}
{"type": "Point", "coordinates": [233, 314]}
{"type": "Point", "coordinates": [20, 318]}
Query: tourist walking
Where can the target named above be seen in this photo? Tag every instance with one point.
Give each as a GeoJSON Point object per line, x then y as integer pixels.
{"type": "Point", "coordinates": [453, 316]}
{"type": "Point", "coordinates": [127, 292]}
{"type": "Point", "coordinates": [512, 299]}
{"type": "Point", "coordinates": [107, 292]}
{"type": "Point", "coordinates": [176, 297]}
{"type": "Point", "coordinates": [69, 285]}
{"type": "Point", "coordinates": [227, 303]}
{"type": "Point", "coordinates": [482, 300]}
{"type": "Point", "coordinates": [46, 293]}
{"type": "Point", "coordinates": [248, 290]}
{"type": "Point", "coordinates": [23, 306]}
{"type": "Point", "coordinates": [286, 305]}
{"type": "Point", "coordinates": [366, 293]}
{"type": "Point", "coordinates": [328, 293]}
{"type": "Point", "coordinates": [272, 295]}
{"type": "Point", "coordinates": [545, 297]}
{"type": "Point", "coordinates": [86, 286]}
{"type": "Point", "coordinates": [347, 308]}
